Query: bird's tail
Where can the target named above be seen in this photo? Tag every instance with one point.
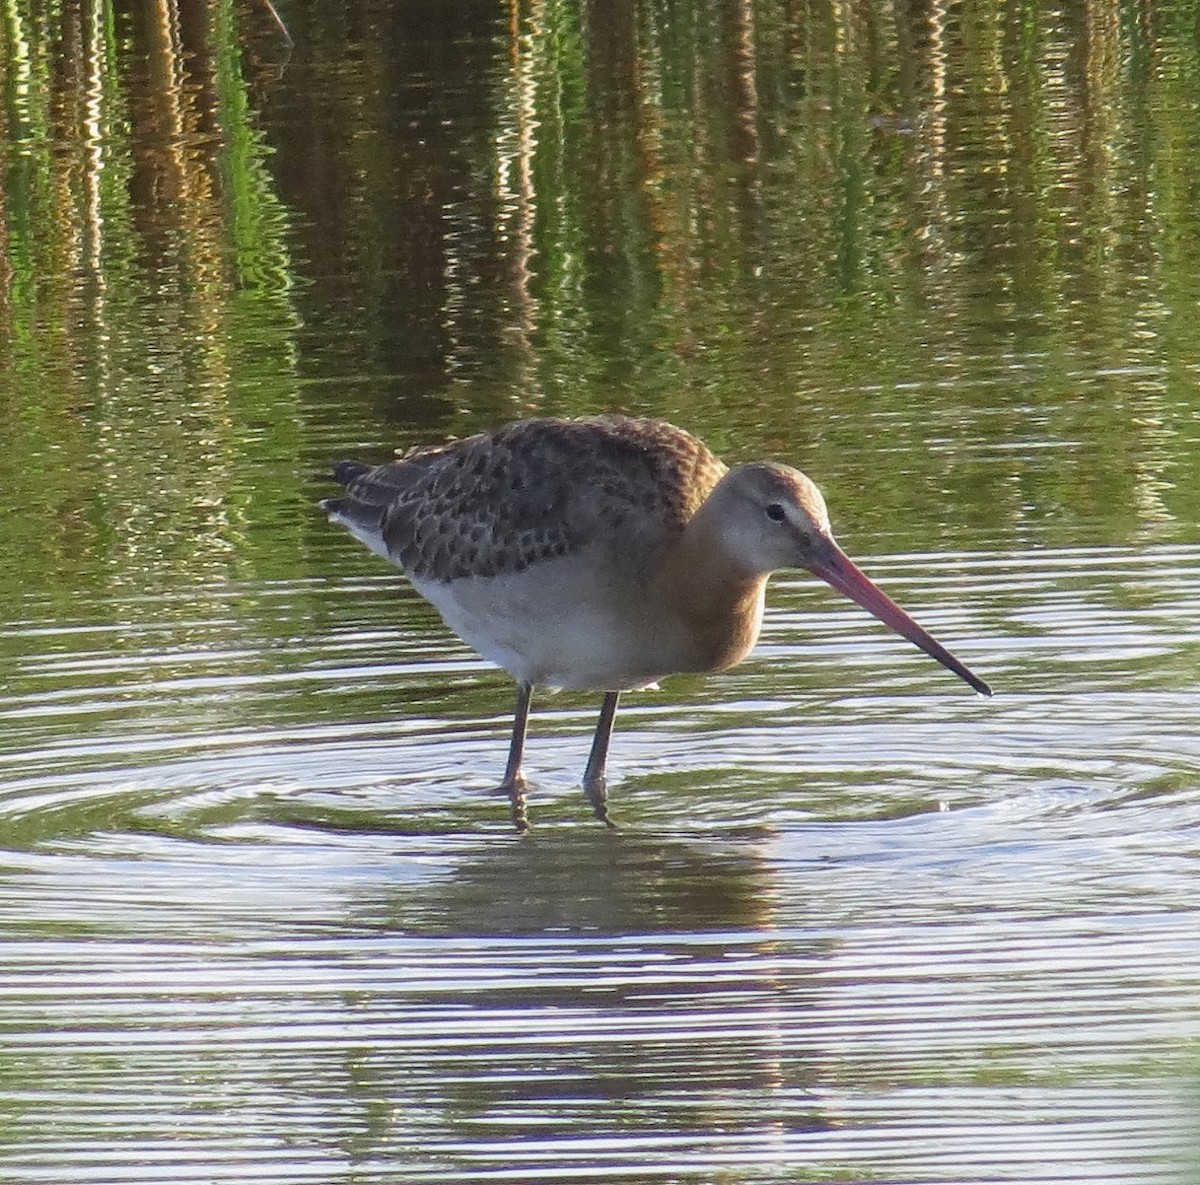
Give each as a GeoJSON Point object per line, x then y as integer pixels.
{"type": "Point", "coordinates": [369, 491]}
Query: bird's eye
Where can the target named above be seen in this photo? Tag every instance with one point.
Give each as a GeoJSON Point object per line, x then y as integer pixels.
{"type": "Point", "coordinates": [776, 512]}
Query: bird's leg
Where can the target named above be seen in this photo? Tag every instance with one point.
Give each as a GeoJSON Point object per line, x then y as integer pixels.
{"type": "Point", "coordinates": [594, 785]}
{"type": "Point", "coordinates": [514, 781]}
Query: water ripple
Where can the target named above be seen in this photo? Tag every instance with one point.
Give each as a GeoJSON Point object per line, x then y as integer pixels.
{"type": "Point", "coordinates": [263, 920]}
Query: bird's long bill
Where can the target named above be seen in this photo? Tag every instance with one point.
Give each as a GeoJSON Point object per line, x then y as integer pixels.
{"type": "Point", "coordinates": [836, 569]}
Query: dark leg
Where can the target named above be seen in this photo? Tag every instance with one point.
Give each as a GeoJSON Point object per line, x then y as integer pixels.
{"type": "Point", "coordinates": [594, 785]}
{"type": "Point", "coordinates": [514, 781]}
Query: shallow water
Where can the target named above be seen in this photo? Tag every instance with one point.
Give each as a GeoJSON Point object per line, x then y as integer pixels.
{"type": "Point", "coordinates": [262, 916]}
{"type": "Point", "coordinates": [265, 921]}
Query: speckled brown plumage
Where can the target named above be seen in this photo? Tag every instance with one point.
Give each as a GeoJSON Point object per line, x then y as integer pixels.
{"type": "Point", "coordinates": [502, 501]}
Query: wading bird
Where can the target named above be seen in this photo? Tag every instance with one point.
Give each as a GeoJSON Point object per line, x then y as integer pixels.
{"type": "Point", "coordinates": [600, 554]}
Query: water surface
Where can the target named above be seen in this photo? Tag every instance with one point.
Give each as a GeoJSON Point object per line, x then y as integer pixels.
{"type": "Point", "coordinates": [262, 916]}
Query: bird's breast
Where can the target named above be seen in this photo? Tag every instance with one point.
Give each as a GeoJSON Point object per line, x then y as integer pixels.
{"type": "Point", "coordinates": [567, 623]}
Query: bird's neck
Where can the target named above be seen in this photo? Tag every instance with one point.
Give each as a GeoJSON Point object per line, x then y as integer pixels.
{"type": "Point", "coordinates": [719, 605]}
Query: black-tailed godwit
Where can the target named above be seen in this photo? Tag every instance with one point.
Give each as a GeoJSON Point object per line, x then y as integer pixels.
{"type": "Point", "coordinates": [600, 554]}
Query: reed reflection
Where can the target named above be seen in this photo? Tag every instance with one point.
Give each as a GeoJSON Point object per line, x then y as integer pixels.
{"type": "Point", "coordinates": [149, 298]}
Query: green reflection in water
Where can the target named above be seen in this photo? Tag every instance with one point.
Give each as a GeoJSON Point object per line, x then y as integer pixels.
{"type": "Point", "coordinates": [148, 334]}
{"type": "Point", "coordinates": [921, 252]}
{"type": "Point", "coordinates": [943, 258]}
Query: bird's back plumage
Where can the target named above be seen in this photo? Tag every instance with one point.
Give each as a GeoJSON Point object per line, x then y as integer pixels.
{"type": "Point", "coordinates": [503, 501]}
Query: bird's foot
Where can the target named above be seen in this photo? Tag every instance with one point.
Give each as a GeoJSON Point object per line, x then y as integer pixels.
{"type": "Point", "coordinates": [515, 788]}
{"type": "Point", "coordinates": [596, 790]}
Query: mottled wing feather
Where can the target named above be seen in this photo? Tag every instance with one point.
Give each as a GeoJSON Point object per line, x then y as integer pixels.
{"type": "Point", "coordinates": [536, 490]}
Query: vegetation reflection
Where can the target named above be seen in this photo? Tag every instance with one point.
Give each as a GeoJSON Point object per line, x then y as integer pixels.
{"type": "Point", "coordinates": [944, 256]}
{"type": "Point", "coordinates": [146, 320]}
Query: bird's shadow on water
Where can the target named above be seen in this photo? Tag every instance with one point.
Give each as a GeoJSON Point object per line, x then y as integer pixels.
{"type": "Point", "coordinates": [581, 879]}
{"type": "Point", "coordinates": [452, 874]}
{"type": "Point", "coordinates": [595, 881]}
{"type": "Point", "coordinates": [559, 877]}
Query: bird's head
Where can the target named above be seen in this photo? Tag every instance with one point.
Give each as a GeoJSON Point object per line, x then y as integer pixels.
{"type": "Point", "coordinates": [769, 516]}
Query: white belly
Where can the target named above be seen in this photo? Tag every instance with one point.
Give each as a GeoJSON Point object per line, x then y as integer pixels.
{"type": "Point", "coordinates": [556, 625]}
